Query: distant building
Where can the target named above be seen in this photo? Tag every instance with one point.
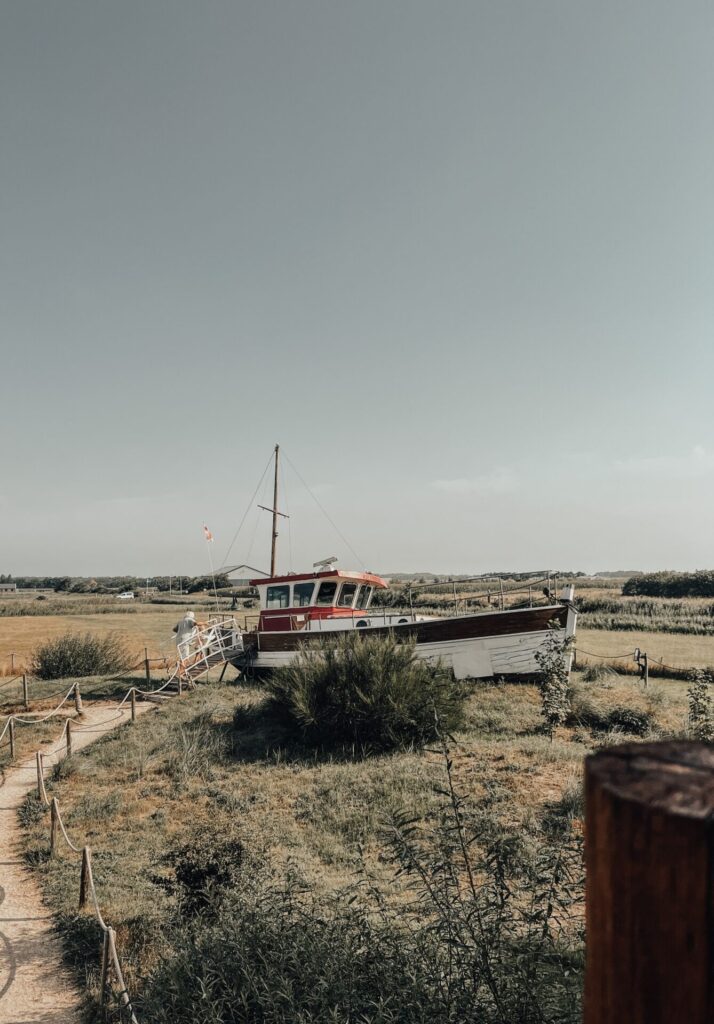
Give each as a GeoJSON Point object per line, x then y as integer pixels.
{"type": "Point", "coordinates": [8, 587]}
{"type": "Point", "coordinates": [241, 575]}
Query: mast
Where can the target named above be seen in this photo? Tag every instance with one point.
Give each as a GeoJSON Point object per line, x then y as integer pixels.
{"type": "Point", "coordinates": [275, 514]}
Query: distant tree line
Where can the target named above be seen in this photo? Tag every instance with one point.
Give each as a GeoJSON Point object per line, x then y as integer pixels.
{"type": "Point", "coordinates": [671, 584]}
{"type": "Point", "coordinates": [117, 584]}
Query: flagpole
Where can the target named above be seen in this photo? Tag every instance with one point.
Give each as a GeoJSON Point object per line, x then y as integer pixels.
{"type": "Point", "coordinates": [209, 537]}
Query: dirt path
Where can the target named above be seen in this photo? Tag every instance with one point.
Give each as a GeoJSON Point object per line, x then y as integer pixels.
{"type": "Point", "coordinates": [35, 987]}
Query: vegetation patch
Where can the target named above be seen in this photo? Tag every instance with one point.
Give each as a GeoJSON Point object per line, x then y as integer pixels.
{"type": "Point", "coordinates": [369, 693]}
{"type": "Point", "coordinates": [75, 655]}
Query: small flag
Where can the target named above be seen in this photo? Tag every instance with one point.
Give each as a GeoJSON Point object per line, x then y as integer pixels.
{"type": "Point", "coordinates": [207, 533]}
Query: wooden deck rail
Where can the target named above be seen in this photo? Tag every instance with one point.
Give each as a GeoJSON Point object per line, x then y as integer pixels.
{"type": "Point", "coordinates": [649, 854]}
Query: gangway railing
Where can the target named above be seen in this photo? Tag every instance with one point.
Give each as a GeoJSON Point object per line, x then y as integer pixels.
{"type": "Point", "coordinates": [210, 644]}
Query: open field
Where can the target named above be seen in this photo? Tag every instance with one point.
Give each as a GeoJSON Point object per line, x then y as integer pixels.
{"type": "Point", "coordinates": [151, 627]}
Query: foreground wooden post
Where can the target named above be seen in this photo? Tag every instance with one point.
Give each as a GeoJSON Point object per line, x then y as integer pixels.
{"type": "Point", "coordinates": [68, 736]}
{"type": "Point", "coordinates": [11, 727]}
{"type": "Point", "coordinates": [133, 704]}
{"type": "Point", "coordinates": [25, 697]}
{"type": "Point", "coordinates": [77, 699]}
{"type": "Point", "coordinates": [84, 876]}
{"type": "Point", "coordinates": [147, 667]}
{"type": "Point", "coordinates": [649, 852]}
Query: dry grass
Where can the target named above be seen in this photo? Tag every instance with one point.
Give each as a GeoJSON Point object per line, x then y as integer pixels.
{"type": "Point", "coordinates": [678, 650]}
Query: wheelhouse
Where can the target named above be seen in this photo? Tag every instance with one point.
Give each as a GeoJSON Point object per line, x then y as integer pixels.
{"type": "Point", "coordinates": [290, 602]}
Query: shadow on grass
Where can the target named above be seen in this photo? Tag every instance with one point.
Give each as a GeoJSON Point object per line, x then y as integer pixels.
{"type": "Point", "coordinates": [259, 734]}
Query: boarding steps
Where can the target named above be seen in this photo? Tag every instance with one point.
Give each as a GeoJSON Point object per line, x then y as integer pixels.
{"type": "Point", "coordinates": [212, 644]}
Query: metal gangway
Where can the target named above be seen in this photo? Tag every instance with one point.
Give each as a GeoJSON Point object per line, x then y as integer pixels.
{"type": "Point", "coordinates": [212, 643]}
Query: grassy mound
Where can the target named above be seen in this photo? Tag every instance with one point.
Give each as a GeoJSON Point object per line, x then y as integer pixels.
{"type": "Point", "coordinates": [369, 692]}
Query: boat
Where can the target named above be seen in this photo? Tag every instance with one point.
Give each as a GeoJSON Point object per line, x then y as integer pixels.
{"type": "Point", "coordinates": [299, 610]}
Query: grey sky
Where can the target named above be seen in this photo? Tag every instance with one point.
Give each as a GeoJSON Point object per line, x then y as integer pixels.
{"type": "Point", "coordinates": [456, 257]}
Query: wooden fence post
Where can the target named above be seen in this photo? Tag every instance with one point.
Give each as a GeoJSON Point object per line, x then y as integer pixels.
{"type": "Point", "coordinates": [133, 704]}
{"type": "Point", "coordinates": [11, 727]}
{"type": "Point", "coordinates": [53, 826]}
{"type": "Point", "coordinates": [649, 854]}
{"type": "Point", "coordinates": [77, 699]}
{"type": "Point", "coordinates": [12, 662]}
{"type": "Point", "coordinates": [84, 876]}
{"type": "Point", "coordinates": [40, 780]}
{"type": "Point", "coordinates": [147, 666]}
{"type": "Point", "coordinates": [106, 963]}
{"type": "Point", "coordinates": [25, 697]}
{"type": "Point", "coordinates": [68, 736]}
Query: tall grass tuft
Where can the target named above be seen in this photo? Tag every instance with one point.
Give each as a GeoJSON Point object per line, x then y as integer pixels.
{"type": "Point", "coordinates": [73, 655]}
{"type": "Point", "coordinates": [370, 692]}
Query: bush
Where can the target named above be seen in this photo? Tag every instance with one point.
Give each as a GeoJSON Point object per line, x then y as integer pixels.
{"type": "Point", "coordinates": [371, 692]}
{"type": "Point", "coordinates": [74, 655]}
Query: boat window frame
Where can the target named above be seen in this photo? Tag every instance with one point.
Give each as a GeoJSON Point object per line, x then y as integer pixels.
{"type": "Point", "coordinates": [327, 583]}
{"type": "Point", "coordinates": [311, 594]}
{"type": "Point", "coordinates": [355, 589]}
{"type": "Point", "coordinates": [285, 587]}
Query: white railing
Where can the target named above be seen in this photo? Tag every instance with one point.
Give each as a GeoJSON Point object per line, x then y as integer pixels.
{"type": "Point", "coordinates": [208, 645]}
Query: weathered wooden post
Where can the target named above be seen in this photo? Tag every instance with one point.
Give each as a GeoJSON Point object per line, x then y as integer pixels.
{"type": "Point", "coordinates": [54, 810]}
{"type": "Point", "coordinates": [649, 852]}
{"type": "Point", "coordinates": [133, 704]}
{"type": "Point", "coordinates": [25, 697]}
{"type": "Point", "coordinates": [77, 699]}
{"type": "Point", "coordinates": [84, 876]}
{"type": "Point", "coordinates": [106, 965]}
{"type": "Point", "coordinates": [147, 666]}
{"type": "Point", "coordinates": [42, 796]}
{"type": "Point", "coordinates": [646, 673]}
{"type": "Point", "coordinates": [11, 728]}
{"type": "Point", "coordinates": [68, 736]}
{"type": "Point", "coordinates": [12, 662]}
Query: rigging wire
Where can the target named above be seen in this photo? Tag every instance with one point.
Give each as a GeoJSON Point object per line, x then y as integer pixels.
{"type": "Point", "coordinates": [258, 516]}
{"type": "Point", "coordinates": [245, 514]}
{"type": "Point", "coordinates": [323, 510]}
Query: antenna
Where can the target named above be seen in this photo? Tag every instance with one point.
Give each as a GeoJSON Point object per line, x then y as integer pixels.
{"type": "Point", "coordinates": [324, 563]}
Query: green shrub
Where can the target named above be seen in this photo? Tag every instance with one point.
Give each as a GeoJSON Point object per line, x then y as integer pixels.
{"type": "Point", "coordinates": [554, 663]}
{"type": "Point", "coordinates": [701, 722]}
{"type": "Point", "coordinates": [73, 655]}
{"type": "Point", "coordinates": [370, 692]}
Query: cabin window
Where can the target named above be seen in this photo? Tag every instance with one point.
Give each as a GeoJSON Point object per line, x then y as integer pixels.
{"type": "Point", "coordinates": [347, 595]}
{"type": "Point", "coordinates": [326, 593]}
{"type": "Point", "coordinates": [363, 596]}
{"type": "Point", "coordinates": [302, 594]}
{"type": "Point", "coordinates": [366, 597]}
{"type": "Point", "coordinates": [278, 597]}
